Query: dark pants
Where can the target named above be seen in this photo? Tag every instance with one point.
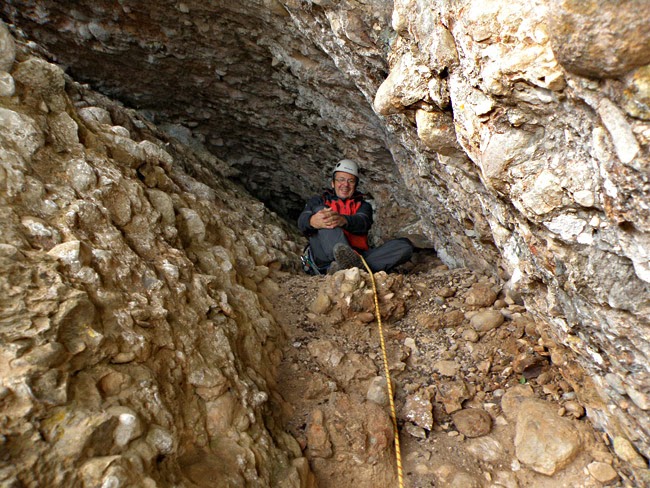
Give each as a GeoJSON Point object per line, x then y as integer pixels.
{"type": "Point", "coordinates": [382, 258]}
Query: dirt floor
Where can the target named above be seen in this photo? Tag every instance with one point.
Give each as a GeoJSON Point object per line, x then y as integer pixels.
{"type": "Point", "coordinates": [332, 375]}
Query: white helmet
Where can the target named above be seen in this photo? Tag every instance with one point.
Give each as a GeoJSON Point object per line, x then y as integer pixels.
{"type": "Point", "coordinates": [347, 166]}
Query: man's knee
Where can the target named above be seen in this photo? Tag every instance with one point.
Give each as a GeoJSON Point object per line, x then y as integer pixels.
{"type": "Point", "coordinates": [323, 243]}
{"type": "Point", "coordinates": [403, 248]}
{"type": "Point", "coordinates": [390, 254]}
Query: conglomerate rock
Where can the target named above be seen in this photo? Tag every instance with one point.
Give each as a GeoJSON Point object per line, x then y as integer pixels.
{"type": "Point", "coordinates": [511, 135]}
{"type": "Point", "coordinates": [136, 345]}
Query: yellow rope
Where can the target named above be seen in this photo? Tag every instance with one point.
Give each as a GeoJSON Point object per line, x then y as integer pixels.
{"type": "Point", "coordinates": [398, 453]}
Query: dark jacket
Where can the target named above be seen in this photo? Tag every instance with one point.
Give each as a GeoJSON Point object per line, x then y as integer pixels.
{"type": "Point", "coordinates": [358, 224]}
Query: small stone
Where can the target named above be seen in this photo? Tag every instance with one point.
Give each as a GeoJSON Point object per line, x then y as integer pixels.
{"type": "Point", "coordinates": [418, 409]}
{"type": "Point", "coordinates": [451, 476]}
{"type": "Point", "coordinates": [426, 320]}
{"type": "Point", "coordinates": [321, 304]}
{"type": "Point", "coordinates": [640, 399]}
{"type": "Point", "coordinates": [480, 295]}
{"type": "Point", "coordinates": [486, 320]}
{"type": "Point", "coordinates": [95, 116]}
{"type": "Point", "coordinates": [410, 343]}
{"type": "Point", "coordinates": [7, 84]}
{"type": "Point", "coordinates": [574, 408]}
{"type": "Point", "coordinates": [470, 335]}
{"type": "Point", "coordinates": [602, 472]}
{"type": "Point", "coordinates": [63, 132]}
{"type": "Point", "coordinates": [484, 366]}
{"type": "Point", "coordinates": [366, 317]}
{"type": "Point", "coordinates": [415, 431]}
{"type": "Point", "coordinates": [422, 469]}
{"type": "Point", "coordinates": [625, 450]}
{"type": "Point", "coordinates": [161, 439]}
{"type": "Point", "coordinates": [446, 368]}
{"type": "Point", "coordinates": [452, 394]}
{"type": "Point", "coordinates": [452, 319]}
{"type": "Point", "coordinates": [486, 449]}
{"type": "Point", "coordinates": [529, 364]}
{"type": "Point", "coordinates": [21, 132]}
{"type": "Point", "coordinates": [129, 425]}
{"type": "Point", "coordinates": [7, 48]}
{"type": "Point", "coordinates": [377, 391]}
{"type": "Point", "coordinates": [446, 292]}
{"type": "Point", "coordinates": [584, 198]}
{"type": "Point", "coordinates": [72, 253]}
{"type": "Point", "coordinates": [472, 422]}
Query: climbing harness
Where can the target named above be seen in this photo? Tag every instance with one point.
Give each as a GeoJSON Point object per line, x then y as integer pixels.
{"type": "Point", "coordinates": [393, 414]}
{"type": "Point", "coordinates": [309, 264]}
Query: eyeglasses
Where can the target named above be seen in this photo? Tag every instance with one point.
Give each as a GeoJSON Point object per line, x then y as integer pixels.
{"type": "Point", "coordinates": [349, 181]}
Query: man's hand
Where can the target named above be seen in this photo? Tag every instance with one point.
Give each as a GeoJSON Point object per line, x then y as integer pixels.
{"type": "Point", "coordinates": [327, 219]}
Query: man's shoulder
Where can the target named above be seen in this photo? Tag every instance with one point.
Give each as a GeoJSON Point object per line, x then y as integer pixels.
{"type": "Point", "coordinates": [314, 200]}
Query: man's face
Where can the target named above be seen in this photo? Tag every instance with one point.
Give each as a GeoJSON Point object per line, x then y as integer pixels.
{"type": "Point", "coordinates": [344, 184]}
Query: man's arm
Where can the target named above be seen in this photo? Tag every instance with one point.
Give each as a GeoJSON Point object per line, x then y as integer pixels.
{"type": "Point", "coordinates": [310, 209]}
{"type": "Point", "coordinates": [360, 222]}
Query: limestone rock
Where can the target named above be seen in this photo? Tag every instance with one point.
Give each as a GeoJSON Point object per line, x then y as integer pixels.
{"type": "Point", "coordinates": [486, 320]}
{"type": "Point", "coordinates": [418, 409]}
{"type": "Point", "coordinates": [487, 449]}
{"type": "Point", "coordinates": [544, 441]}
{"type": "Point", "coordinates": [452, 394]}
{"type": "Point", "coordinates": [106, 310]}
{"type": "Point", "coordinates": [594, 53]}
{"type": "Point", "coordinates": [44, 82]}
{"type": "Point", "coordinates": [513, 398]}
{"type": "Point", "coordinates": [602, 472]}
{"type": "Point", "coordinates": [7, 48]}
{"type": "Point", "coordinates": [378, 391]}
{"type": "Point", "coordinates": [317, 437]}
{"type": "Point", "coordinates": [625, 450]}
{"type": "Point", "coordinates": [480, 295]}
{"type": "Point", "coordinates": [472, 422]}
{"type": "Point", "coordinates": [7, 85]}
{"type": "Point", "coordinates": [20, 133]}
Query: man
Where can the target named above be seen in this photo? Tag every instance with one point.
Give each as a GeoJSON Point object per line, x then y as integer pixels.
{"type": "Point", "coordinates": [337, 224]}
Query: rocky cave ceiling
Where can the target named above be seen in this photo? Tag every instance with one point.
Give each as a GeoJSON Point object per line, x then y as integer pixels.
{"type": "Point", "coordinates": [243, 77]}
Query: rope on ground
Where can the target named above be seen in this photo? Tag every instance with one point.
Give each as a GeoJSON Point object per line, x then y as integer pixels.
{"type": "Point", "coordinates": [393, 414]}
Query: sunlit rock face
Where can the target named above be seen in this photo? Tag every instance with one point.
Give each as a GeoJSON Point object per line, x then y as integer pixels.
{"type": "Point", "coordinates": [511, 135]}
{"type": "Point", "coordinates": [555, 169]}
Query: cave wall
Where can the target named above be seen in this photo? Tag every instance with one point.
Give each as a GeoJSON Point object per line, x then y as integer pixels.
{"type": "Point", "coordinates": [512, 136]}
{"type": "Point", "coordinates": [538, 114]}
{"type": "Point", "coordinates": [137, 344]}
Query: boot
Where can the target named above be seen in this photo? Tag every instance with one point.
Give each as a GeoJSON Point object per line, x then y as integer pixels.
{"type": "Point", "coordinates": [346, 257]}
